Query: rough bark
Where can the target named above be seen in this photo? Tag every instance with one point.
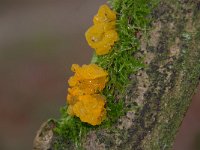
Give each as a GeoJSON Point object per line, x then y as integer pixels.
{"type": "Point", "coordinates": [162, 90]}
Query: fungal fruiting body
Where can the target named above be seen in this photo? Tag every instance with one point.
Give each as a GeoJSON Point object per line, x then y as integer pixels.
{"type": "Point", "coordinates": [102, 35]}
{"type": "Point", "coordinates": [88, 79]}
{"type": "Point", "coordinates": [90, 109]}
{"type": "Point", "coordinates": [84, 99]}
{"type": "Point", "coordinates": [104, 15]}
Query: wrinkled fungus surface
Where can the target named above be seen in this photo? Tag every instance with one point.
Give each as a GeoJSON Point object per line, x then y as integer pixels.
{"type": "Point", "coordinates": [90, 109]}
{"type": "Point", "coordinates": [102, 35]}
{"type": "Point", "coordinates": [104, 15]}
{"type": "Point", "coordinates": [83, 96]}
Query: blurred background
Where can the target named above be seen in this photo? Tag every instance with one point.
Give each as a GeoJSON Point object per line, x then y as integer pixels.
{"type": "Point", "coordinates": [39, 40]}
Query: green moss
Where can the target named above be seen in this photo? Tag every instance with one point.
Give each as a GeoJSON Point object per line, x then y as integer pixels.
{"type": "Point", "coordinates": [133, 18]}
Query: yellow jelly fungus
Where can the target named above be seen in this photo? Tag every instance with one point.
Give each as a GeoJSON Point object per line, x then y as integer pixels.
{"type": "Point", "coordinates": [104, 15]}
{"type": "Point", "coordinates": [84, 100]}
{"type": "Point", "coordinates": [89, 86]}
{"type": "Point", "coordinates": [86, 87]}
{"type": "Point", "coordinates": [88, 79]}
{"type": "Point", "coordinates": [90, 109]}
{"type": "Point", "coordinates": [86, 72]}
{"type": "Point", "coordinates": [101, 37]}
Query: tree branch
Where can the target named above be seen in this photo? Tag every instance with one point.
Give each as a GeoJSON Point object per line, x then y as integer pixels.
{"type": "Point", "coordinates": [163, 90]}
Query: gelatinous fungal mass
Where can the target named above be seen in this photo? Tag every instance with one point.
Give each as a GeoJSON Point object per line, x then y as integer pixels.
{"type": "Point", "coordinates": [90, 109]}
{"type": "Point", "coordinates": [83, 97]}
{"type": "Point", "coordinates": [104, 15]}
{"type": "Point", "coordinates": [88, 79]}
{"type": "Point", "coordinates": [102, 35]}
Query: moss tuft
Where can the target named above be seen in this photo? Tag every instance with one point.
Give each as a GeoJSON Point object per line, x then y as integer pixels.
{"type": "Point", "coordinates": [133, 18]}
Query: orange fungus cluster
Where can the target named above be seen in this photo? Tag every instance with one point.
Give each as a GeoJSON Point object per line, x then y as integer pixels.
{"type": "Point", "coordinates": [84, 97]}
{"type": "Point", "coordinates": [102, 35]}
